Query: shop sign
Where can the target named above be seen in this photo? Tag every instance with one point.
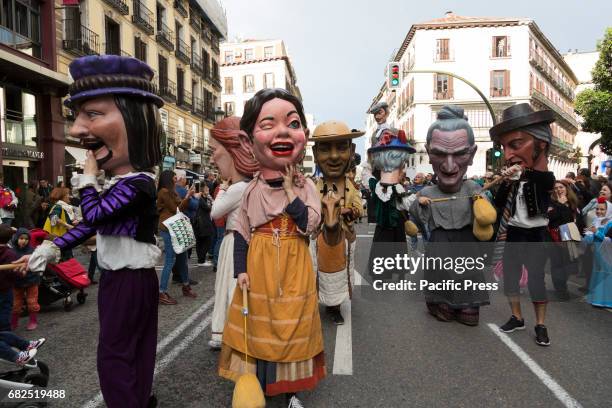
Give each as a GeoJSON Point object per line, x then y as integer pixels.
{"type": "Point", "coordinates": [22, 153]}
{"type": "Point", "coordinates": [195, 158]}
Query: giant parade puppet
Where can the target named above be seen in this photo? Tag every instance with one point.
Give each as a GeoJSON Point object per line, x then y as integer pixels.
{"type": "Point", "coordinates": [456, 216]}
{"type": "Point", "coordinates": [280, 340]}
{"type": "Point", "coordinates": [117, 121]}
{"type": "Point", "coordinates": [523, 199]}
{"type": "Point", "coordinates": [341, 206]}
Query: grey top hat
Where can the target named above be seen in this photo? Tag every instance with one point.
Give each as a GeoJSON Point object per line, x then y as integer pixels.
{"type": "Point", "coordinates": [378, 106]}
{"type": "Point", "coordinates": [520, 116]}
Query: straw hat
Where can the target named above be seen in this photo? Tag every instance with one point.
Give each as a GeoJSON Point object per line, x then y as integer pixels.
{"type": "Point", "coordinates": [333, 130]}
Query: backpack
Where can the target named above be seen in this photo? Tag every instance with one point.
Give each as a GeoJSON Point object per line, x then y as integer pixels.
{"type": "Point", "coordinates": [6, 198]}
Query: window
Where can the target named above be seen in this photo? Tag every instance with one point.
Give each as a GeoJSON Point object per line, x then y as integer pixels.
{"type": "Point", "coordinates": [18, 117]}
{"type": "Point", "coordinates": [500, 47]}
{"type": "Point", "coordinates": [111, 30]}
{"type": "Point", "coordinates": [229, 85]}
{"type": "Point", "coordinates": [443, 87]}
{"type": "Point", "coordinates": [206, 62]}
{"type": "Point", "coordinates": [228, 107]}
{"type": "Point", "coordinates": [248, 83]}
{"type": "Point", "coordinates": [229, 57]}
{"type": "Point", "coordinates": [442, 49]}
{"type": "Point", "coordinates": [268, 52]}
{"type": "Point", "coordinates": [140, 49]}
{"type": "Point", "coordinates": [163, 73]}
{"type": "Point", "coordinates": [21, 26]}
{"type": "Point", "coordinates": [500, 83]}
{"type": "Point", "coordinates": [248, 54]}
{"type": "Point", "coordinates": [215, 70]}
{"type": "Point", "coordinates": [194, 134]}
{"type": "Point", "coordinates": [163, 115]}
{"type": "Point", "coordinates": [269, 80]}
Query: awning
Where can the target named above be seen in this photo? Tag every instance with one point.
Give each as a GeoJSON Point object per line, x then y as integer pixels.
{"type": "Point", "coordinates": [79, 154]}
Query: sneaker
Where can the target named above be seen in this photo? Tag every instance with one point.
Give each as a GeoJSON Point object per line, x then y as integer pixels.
{"type": "Point", "coordinates": [542, 335]}
{"type": "Point", "coordinates": [214, 344]}
{"type": "Point", "coordinates": [294, 402]}
{"type": "Point", "coordinates": [24, 356]}
{"type": "Point", "coordinates": [207, 263]}
{"type": "Point", "coordinates": [192, 282]}
{"type": "Point", "coordinates": [513, 324]}
{"type": "Point", "coordinates": [336, 317]}
{"type": "Point", "coordinates": [36, 344]}
{"type": "Point", "coordinates": [165, 299]}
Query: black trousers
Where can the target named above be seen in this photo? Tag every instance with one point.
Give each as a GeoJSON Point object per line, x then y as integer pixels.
{"type": "Point", "coordinates": [524, 246]}
{"type": "Point", "coordinates": [203, 246]}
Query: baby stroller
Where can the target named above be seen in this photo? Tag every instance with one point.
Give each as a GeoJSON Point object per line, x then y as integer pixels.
{"type": "Point", "coordinates": [20, 378]}
{"type": "Point", "coordinates": [60, 281]}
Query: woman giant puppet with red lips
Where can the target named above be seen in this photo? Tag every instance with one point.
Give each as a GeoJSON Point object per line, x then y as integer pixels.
{"type": "Point", "coordinates": [271, 257]}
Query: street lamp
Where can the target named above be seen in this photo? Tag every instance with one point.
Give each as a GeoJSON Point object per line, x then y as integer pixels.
{"type": "Point", "coordinates": [219, 114]}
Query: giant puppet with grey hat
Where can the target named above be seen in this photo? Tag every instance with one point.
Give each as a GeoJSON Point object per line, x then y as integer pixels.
{"type": "Point", "coordinates": [333, 250]}
{"type": "Point", "coordinates": [391, 200]}
{"type": "Point", "coordinates": [523, 199]}
{"type": "Point", "coordinates": [381, 112]}
{"type": "Point", "coordinates": [117, 121]}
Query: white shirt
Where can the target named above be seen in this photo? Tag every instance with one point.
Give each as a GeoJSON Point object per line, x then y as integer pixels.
{"type": "Point", "coordinates": [228, 203]}
{"type": "Point", "coordinates": [521, 217]}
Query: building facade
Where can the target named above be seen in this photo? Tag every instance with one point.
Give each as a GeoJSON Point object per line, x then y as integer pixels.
{"type": "Point", "coordinates": [31, 125]}
{"type": "Point", "coordinates": [591, 156]}
{"type": "Point", "coordinates": [179, 40]}
{"type": "Point", "coordinates": [509, 59]}
{"type": "Point", "coordinates": [250, 65]}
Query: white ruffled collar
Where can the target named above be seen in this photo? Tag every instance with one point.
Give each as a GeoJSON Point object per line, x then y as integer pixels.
{"type": "Point", "coordinates": [385, 192]}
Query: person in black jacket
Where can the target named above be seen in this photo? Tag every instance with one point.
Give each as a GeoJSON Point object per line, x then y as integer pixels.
{"type": "Point", "coordinates": [522, 200]}
{"type": "Point", "coordinates": [203, 226]}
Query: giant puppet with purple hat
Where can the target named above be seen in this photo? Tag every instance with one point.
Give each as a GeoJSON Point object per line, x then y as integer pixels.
{"type": "Point", "coordinates": [117, 120]}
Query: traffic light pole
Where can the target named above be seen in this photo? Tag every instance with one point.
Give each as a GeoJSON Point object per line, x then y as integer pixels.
{"type": "Point", "coordinates": [471, 85]}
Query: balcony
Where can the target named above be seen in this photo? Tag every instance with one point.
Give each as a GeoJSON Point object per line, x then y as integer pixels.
{"type": "Point", "coordinates": [113, 49]}
{"type": "Point", "coordinates": [196, 64]}
{"type": "Point", "coordinates": [198, 146]}
{"type": "Point", "coordinates": [143, 17]}
{"type": "Point", "coordinates": [444, 55]}
{"type": "Point", "coordinates": [182, 51]}
{"type": "Point", "coordinates": [185, 100]}
{"type": "Point", "coordinates": [170, 136]}
{"type": "Point", "coordinates": [443, 95]}
{"type": "Point", "coordinates": [565, 117]}
{"type": "Point", "coordinates": [119, 5]}
{"type": "Point", "coordinates": [80, 40]}
{"type": "Point", "coordinates": [198, 107]}
{"type": "Point", "coordinates": [210, 114]}
{"type": "Point", "coordinates": [179, 6]}
{"type": "Point", "coordinates": [184, 139]}
{"type": "Point", "coordinates": [206, 34]}
{"type": "Point", "coordinates": [539, 62]}
{"type": "Point", "coordinates": [165, 36]}
{"type": "Point", "coordinates": [216, 83]}
{"type": "Point", "coordinates": [195, 21]}
{"type": "Point", "coordinates": [215, 44]}
{"type": "Point", "coordinates": [167, 89]}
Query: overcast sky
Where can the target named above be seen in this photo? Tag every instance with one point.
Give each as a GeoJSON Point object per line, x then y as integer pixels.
{"type": "Point", "coordinates": [339, 48]}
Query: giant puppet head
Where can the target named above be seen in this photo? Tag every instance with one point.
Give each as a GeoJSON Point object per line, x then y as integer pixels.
{"type": "Point", "coordinates": [390, 154]}
{"type": "Point", "coordinates": [275, 123]}
{"type": "Point", "coordinates": [333, 148]}
{"type": "Point", "coordinates": [380, 112]}
{"type": "Point", "coordinates": [525, 136]}
{"type": "Point", "coordinates": [451, 147]}
{"type": "Point", "coordinates": [233, 159]}
{"type": "Point", "coordinates": [116, 112]}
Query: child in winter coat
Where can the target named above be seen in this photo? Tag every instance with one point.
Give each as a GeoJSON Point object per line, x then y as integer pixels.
{"type": "Point", "coordinates": [26, 288]}
{"type": "Point", "coordinates": [7, 278]}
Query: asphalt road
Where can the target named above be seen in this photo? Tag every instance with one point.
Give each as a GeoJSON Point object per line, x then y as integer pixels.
{"type": "Point", "coordinates": [393, 354]}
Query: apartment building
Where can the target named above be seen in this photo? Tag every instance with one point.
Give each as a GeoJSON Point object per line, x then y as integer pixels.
{"type": "Point", "coordinates": [179, 39]}
{"type": "Point", "coordinates": [509, 59]}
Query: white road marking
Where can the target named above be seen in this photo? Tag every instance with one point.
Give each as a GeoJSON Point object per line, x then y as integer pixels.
{"type": "Point", "coordinates": [161, 364]}
{"type": "Point", "coordinates": [535, 368]}
{"type": "Point", "coordinates": [365, 235]}
{"type": "Point", "coordinates": [359, 281]}
{"type": "Point", "coordinates": [98, 399]}
{"type": "Point", "coordinates": [343, 353]}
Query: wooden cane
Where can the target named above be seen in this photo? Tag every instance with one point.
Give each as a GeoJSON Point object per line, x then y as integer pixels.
{"type": "Point", "coordinates": [8, 267]}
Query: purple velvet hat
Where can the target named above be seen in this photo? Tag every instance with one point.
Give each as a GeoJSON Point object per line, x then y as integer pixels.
{"type": "Point", "coordinates": [110, 65]}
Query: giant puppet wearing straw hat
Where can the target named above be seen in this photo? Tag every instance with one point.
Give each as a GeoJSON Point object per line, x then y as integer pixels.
{"type": "Point", "coordinates": [117, 121]}
{"type": "Point", "coordinates": [341, 206]}
{"type": "Point", "coordinates": [523, 200]}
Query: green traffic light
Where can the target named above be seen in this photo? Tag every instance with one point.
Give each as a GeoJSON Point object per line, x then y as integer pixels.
{"type": "Point", "coordinates": [497, 153]}
{"type": "Point", "coordinates": [394, 82]}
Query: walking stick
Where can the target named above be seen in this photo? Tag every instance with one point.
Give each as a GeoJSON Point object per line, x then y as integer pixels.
{"type": "Point", "coordinates": [247, 392]}
{"type": "Point", "coordinates": [9, 267]}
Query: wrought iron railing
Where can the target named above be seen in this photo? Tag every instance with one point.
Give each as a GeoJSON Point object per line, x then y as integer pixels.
{"type": "Point", "coordinates": [182, 51]}
{"type": "Point", "coordinates": [198, 106]}
{"type": "Point", "coordinates": [165, 36]}
{"type": "Point", "coordinates": [180, 7]}
{"type": "Point", "coordinates": [196, 63]}
{"type": "Point", "coordinates": [194, 20]}
{"type": "Point", "coordinates": [119, 5]}
{"type": "Point", "coordinates": [79, 39]}
{"type": "Point", "coordinates": [167, 89]}
{"type": "Point", "coordinates": [143, 17]}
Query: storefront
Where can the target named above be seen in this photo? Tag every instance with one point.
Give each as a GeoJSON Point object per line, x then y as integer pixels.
{"type": "Point", "coordinates": [20, 164]}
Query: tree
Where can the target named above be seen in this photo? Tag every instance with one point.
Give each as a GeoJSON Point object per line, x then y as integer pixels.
{"type": "Point", "coordinates": [595, 105]}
